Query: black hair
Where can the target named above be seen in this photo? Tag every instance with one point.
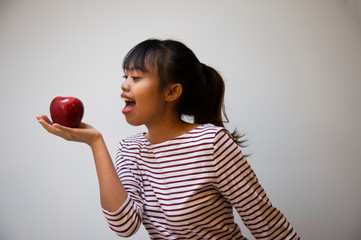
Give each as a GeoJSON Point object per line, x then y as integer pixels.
{"type": "Point", "coordinates": [203, 87]}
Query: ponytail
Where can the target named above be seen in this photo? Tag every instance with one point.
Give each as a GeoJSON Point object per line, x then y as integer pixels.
{"type": "Point", "coordinates": [212, 101]}
{"type": "Point", "coordinates": [214, 109]}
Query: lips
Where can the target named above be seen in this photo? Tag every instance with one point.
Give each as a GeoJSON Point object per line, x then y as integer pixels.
{"type": "Point", "coordinates": [129, 103]}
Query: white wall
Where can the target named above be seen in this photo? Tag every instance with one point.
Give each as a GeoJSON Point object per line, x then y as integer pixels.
{"type": "Point", "coordinates": [293, 75]}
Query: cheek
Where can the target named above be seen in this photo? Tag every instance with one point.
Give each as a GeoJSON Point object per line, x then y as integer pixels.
{"type": "Point", "coordinates": [149, 96]}
{"type": "Point", "coordinates": [150, 103]}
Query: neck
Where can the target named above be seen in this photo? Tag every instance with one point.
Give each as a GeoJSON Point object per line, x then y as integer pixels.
{"type": "Point", "coordinates": [167, 129]}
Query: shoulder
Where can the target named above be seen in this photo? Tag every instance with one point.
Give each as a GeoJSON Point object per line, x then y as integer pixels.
{"type": "Point", "coordinates": [204, 134]}
{"type": "Point", "coordinates": [220, 137]}
{"type": "Point", "coordinates": [211, 131]}
{"type": "Point", "coordinates": [129, 150]}
{"type": "Point", "coordinates": [135, 141]}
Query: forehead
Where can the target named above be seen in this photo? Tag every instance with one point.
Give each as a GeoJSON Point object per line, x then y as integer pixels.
{"type": "Point", "coordinates": [146, 68]}
{"type": "Point", "coordinates": [136, 67]}
{"type": "Point", "coordinates": [142, 57]}
{"type": "Point", "coordinates": [134, 71]}
{"type": "Point", "coordinates": [143, 63]}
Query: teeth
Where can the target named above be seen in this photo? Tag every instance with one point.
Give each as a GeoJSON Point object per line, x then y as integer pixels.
{"type": "Point", "coordinates": [127, 100]}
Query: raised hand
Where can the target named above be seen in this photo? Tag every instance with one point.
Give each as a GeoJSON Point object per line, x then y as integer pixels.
{"type": "Point", "coordinates": [85, 133]}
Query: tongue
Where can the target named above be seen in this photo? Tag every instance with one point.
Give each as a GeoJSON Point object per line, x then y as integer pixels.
{"type": "Point", "coordinates": [128, 107]}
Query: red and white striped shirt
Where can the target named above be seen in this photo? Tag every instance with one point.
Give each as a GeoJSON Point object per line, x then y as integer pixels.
{"type": "Point", "coordinates": [185, 188]}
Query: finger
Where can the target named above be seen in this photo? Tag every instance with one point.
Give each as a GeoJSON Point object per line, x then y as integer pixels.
{"type": "Point", "coordinates": [43, 122]}
{"type": "Point", "coordinates": [51, 128]}
{"type": "Point", "coordinates": [47, 119]}
{"type": "Point", "coordinates": [57, 129]}
{"type": "Point", "coordinates": [44, 118]}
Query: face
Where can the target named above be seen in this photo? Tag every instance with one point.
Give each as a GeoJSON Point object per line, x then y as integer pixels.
{"type": "Point", "coordinates": [144, 101]}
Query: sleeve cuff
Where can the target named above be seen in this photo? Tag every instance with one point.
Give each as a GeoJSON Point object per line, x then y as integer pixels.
{"type": "Point", "coordinates": [121, 208]}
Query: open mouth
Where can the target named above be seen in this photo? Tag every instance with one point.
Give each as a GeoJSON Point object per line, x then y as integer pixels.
{"type": "Point", "coordinates": [129, 104]}
{"type": "Point", "coordinates": [128, 101]}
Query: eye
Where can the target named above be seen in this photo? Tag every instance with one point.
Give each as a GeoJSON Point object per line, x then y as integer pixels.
{"type": "Point", "coordinates": [135, 78]}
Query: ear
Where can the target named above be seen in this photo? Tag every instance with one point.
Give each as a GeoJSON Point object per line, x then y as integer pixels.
{"type": "Point", "coordinates": [173, 92]}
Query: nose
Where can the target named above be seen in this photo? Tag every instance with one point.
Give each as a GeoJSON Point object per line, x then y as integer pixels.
{"type": "Point", "coordinates": [125, 85]}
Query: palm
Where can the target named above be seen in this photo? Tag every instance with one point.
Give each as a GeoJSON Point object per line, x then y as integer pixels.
{"type": "Point", "coordinates": [85, 133]}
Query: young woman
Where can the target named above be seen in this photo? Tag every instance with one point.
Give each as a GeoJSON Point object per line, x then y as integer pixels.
{"type": "Point", "coordinates": [180, 179]}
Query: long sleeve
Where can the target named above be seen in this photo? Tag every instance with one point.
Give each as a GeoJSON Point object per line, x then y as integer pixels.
{"type": "Point", "coordinates": [127, 219]}
{"type": "Point", "coordinates": [239, 185]}
{"type": "Point", "coordinates": [185, 188]}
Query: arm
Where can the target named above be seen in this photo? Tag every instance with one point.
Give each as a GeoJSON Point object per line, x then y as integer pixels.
{"type": "Point", "coordinates": [128, 218]}
{"type": "Point", "coordinates": [112, 192]}
{"type": "Point", "coordinates": [122, 213]}
{"type": "Point", "coordinates": [239, 185]}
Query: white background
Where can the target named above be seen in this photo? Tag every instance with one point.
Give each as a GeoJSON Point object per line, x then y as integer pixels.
{"type": "Point", "coordinates": [293, 76]}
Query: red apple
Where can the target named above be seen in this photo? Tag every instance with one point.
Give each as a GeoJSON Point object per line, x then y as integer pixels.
{"type": "Point", "coordinates": [67, 111]}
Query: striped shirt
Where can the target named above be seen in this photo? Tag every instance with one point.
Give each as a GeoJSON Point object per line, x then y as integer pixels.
{"type": "Point", "coordinates": [185, 188]}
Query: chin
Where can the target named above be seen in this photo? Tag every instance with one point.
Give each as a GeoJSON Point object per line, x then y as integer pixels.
{"type": "Point", "coordinates": [133, 122]}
